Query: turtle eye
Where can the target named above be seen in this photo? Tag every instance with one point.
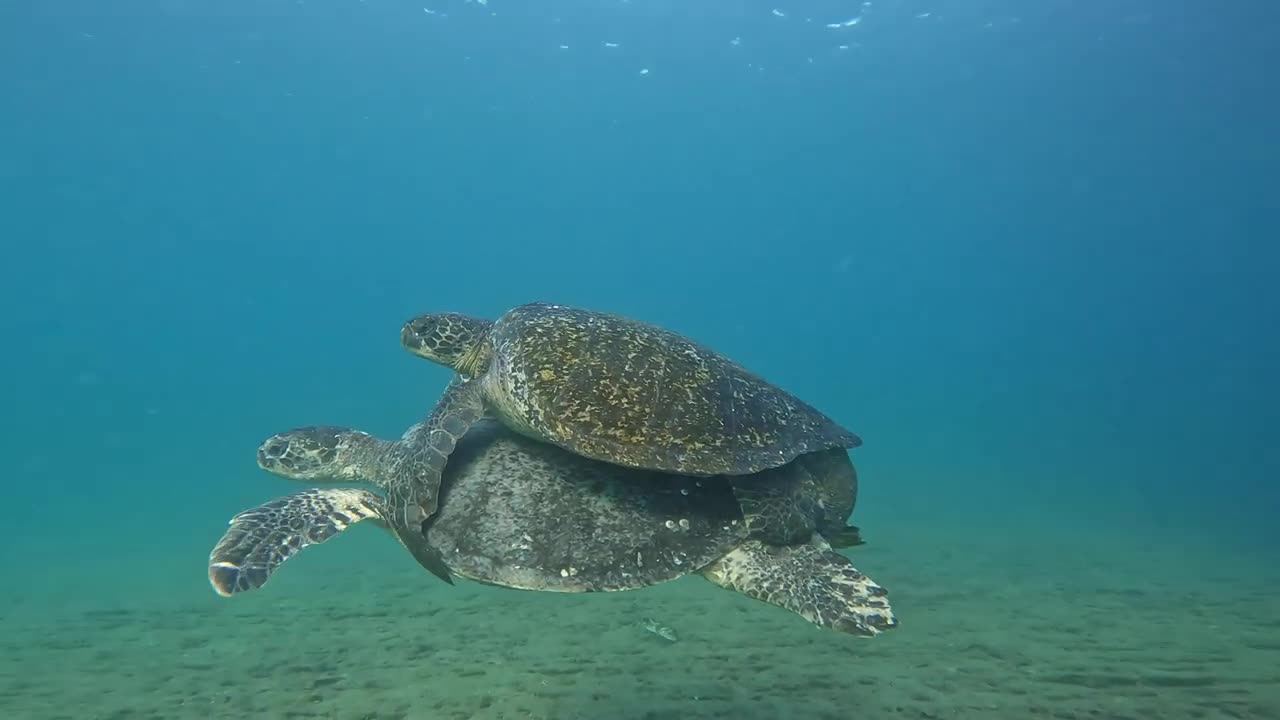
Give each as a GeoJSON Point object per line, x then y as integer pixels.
{"type": "Point", "coordinates": [276, 448]}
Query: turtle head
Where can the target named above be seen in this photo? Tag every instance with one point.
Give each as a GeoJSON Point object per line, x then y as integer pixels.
{"type": "Point", "coordinates": [451, 339]}
{"type": "Point", "coordinates": [315, 453]}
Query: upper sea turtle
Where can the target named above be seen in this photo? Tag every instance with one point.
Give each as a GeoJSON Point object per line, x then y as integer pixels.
{"type": "Point", "coordinates": [520, 513]}
{"type": "Point", "coordinates": [605, 387]}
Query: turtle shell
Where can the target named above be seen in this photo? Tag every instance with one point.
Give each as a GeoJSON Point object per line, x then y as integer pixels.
{"type": "Point", "coordinates": [627, 392]}
{"type": "Point", "coordinates": [520, 513]}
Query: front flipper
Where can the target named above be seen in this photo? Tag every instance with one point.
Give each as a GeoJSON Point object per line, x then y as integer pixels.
{"type": "Point", "coordinates": [413, 482]}
{"type": "Point", "coordinates": [415, 541]}
{"type": "Point", "coordinates": [811, 580]}
{"type": "Point", "coordinates": [260, 539]}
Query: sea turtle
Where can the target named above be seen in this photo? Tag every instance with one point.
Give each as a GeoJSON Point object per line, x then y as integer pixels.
{"type": "Point", "coordinates": [608, 388]}
{"type": "Point", "coordinates": [518, 513]}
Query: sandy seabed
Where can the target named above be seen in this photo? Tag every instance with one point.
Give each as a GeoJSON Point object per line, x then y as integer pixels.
{"type": "Point", "coordinates": [1047, 627]}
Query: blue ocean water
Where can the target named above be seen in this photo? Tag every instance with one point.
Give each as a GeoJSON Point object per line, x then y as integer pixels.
{"type": "Point", "coordinates": [1026, 251]}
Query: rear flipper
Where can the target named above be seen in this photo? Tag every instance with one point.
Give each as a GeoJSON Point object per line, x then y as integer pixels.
{"type": "Point", "coordinates": [811, 580]}
{"type": "Point", "coordinates": [260, 539]}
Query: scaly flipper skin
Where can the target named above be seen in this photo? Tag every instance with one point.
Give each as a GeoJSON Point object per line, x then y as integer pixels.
{"type": "Point", "coordinates": [413, 483]}
{"type": "Point", "coordinates": [260, 539]}
{"type": "Point", "coordinates": [811, 580]}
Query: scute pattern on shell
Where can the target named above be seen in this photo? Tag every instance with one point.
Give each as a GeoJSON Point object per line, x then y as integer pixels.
{"type": "Point", "coordinates": [625, 391]}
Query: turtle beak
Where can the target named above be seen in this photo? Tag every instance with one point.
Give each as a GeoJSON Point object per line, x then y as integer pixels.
{"type": "Point", "coordinates": [410, 338]}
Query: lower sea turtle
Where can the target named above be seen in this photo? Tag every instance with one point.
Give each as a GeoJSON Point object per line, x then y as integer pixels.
{"type": "Point", "coordinates": [519, 513]}
{"type": "Point", "coordinates": [605, 387]}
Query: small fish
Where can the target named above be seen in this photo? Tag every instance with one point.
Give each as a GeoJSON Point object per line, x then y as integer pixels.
{"type": "Point", "coordinates": [661, 631]}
